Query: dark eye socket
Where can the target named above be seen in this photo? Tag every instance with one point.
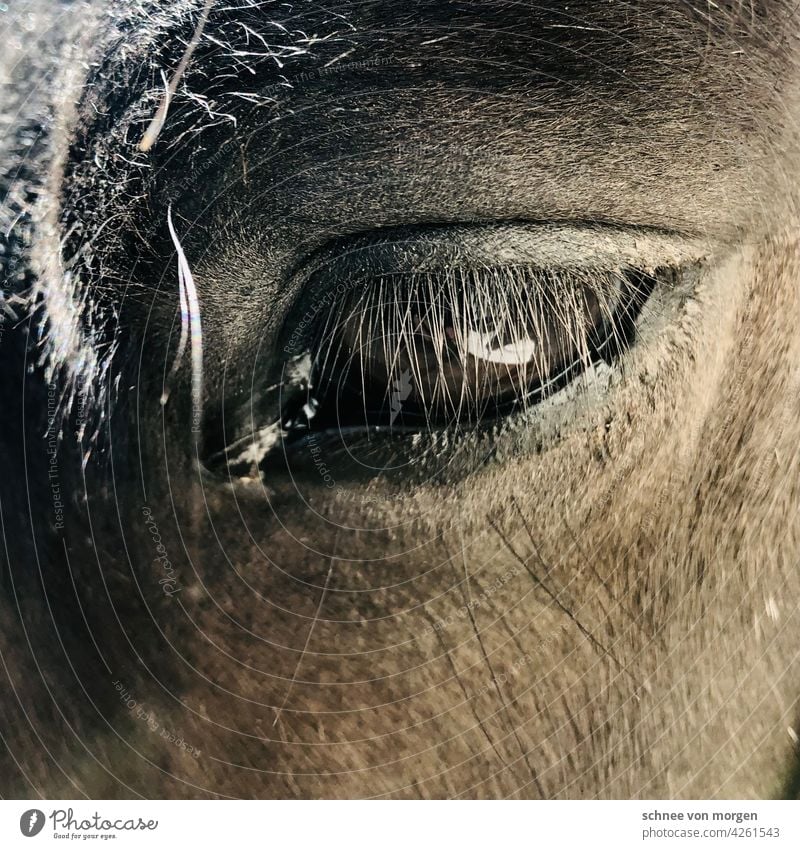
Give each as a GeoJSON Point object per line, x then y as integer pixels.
{"type": "Point", "coordinates": [460, 346]}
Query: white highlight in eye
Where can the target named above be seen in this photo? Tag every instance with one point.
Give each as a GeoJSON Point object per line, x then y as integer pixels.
{"type": "Point", "coordinates": [482, 346]}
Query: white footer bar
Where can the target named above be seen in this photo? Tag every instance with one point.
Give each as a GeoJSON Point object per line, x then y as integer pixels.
{"type": "Point", "coordinates": [401, 825]}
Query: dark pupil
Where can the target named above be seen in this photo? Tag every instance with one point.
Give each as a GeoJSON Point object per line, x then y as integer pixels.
{"type": "Point", "coordinates": [436, 351]}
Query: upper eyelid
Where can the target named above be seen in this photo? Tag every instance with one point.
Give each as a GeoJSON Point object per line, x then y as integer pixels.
{"type": "Point", "coordinates": [557, 245]}
{"type": "Point", "coordinates": [347, 263]}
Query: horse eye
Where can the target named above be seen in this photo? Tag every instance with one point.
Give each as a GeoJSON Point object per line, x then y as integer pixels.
{"type": "Point", "coordinates": [459, 347]}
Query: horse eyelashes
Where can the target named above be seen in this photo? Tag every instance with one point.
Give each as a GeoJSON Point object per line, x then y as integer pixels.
{"type": "Point", "coordinates": [459, 346]}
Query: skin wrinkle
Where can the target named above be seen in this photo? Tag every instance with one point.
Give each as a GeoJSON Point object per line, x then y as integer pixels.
{"type": "Point", "coordinates": [659, 506]}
